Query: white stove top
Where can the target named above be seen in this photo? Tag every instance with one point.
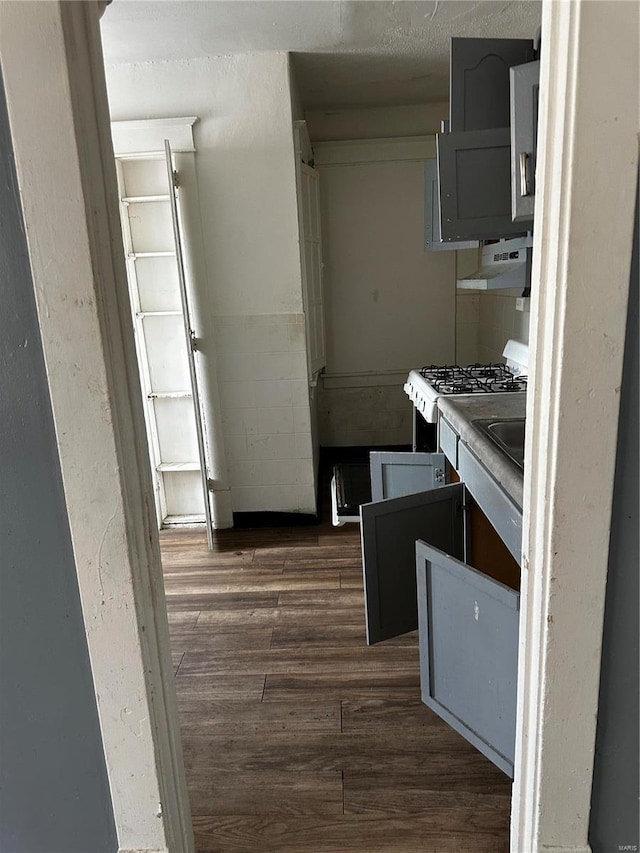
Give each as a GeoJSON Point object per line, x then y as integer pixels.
{"type": "Point", "coordinates": [425, 385]}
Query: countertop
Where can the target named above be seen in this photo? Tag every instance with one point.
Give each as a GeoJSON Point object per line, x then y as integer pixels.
{"type": "Point", "coordinates": [462, 411]}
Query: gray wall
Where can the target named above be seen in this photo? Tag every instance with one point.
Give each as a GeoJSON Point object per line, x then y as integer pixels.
{"type": "Point", "coordinates": [54, 794]}
{"type": "Point", "coordinates": [614, 802]}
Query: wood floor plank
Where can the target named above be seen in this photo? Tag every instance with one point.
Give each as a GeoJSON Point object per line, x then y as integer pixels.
{"type": "Point", "coordinates": [270, 793]}
{"type": "Point", "coordinates": [178, 558]}
{"type": "Point", "coordinates": [460, 830]}
{"type": "Point", "coordinates": [320, 563]}
{"type": "Point", "coordinates": [180, 619]}
{"type": "Point", "coordinates": [309, 552]}
{"type": "Point", "coordinates": [304, 751]}
{"type": "Point", "coordinates": [347, 535]}
{"type": "Point", "coordinates": [215, 573]}
{"type": "Point", "coordinates": [259, 582]}
{"type": "Point", "coordinates": [355, 685]}
{"type": "Point", "coordinates": [304, 661]}
{"type": "Point", "coordinates": [386, 715]}
{"type": "Point", "coordinates": [323, 598]}
{"type": "Point", "coordinates": [203, 716]}
{"type": "Point", "coordinates": [351, 579]}
{"type": "Point", "coordinates": [329, 634]}
{"type": "Point", "coordinates": [208, 642]}
{"type": "Point", "coordinates": [277, 616]}
{"type": "Point", "coordinates": [249, 688]}
{"type": "Point", "coordinates": [415, 793]}
{"type": "Point", "coordinates": [178, 600]}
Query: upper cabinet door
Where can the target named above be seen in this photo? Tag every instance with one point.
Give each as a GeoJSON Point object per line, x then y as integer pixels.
{"type": "Point", "coordinates": [394, 474]}
{"type": "Point", "coordinates": [469, 625]}
{"type": "Point", "coordinates": [389, 531]}
{"type": "Point", "coordinates": [479, 95]}
{"type": "Point", "coordinates": [525, 86]}
{"type": "Point", "coordinates": [475, 185]}
{"type": "Point", "coordinates": [432, 238]}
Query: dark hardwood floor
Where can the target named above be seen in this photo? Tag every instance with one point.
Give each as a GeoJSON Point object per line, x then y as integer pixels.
{"type": "Point", "coordinates": [297, 736]}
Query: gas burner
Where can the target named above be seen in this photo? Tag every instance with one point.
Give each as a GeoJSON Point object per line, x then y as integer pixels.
{"type": "Point", "coordinates": [488, 371]}
{"type": "Point", "coordinates": [461, 383]}
{"type": "Point", "coordinates": [457, 388]}
{"type": "Point", "coordinates": [433, 371]}
{"type": "Point", "coordinates": [516, 383]}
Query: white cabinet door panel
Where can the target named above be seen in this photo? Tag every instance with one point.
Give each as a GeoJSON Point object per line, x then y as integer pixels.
{"type": "Point", "coordinates": [394, 473]}
{"type": "Point", "coordinates": [389, 531]}
{"type": "Point", "coordinates": [469, 624]}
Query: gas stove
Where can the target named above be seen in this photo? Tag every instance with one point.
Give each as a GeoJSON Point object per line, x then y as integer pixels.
{"type": "Point", "coordinates": [426, 384]}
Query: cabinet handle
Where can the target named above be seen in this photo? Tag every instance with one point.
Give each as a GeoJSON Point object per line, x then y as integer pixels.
{"type": "Point", "coordinates": [524, 174]}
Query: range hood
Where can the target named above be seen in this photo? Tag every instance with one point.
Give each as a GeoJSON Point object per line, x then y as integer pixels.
{"type": "Point", "coordinates": [503, 265]}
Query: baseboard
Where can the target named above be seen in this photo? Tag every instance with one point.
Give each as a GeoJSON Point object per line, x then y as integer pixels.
{"type": "Point", "coordinates": [143, 850]}
{"type": "Point", "coordinates": [274, 519]}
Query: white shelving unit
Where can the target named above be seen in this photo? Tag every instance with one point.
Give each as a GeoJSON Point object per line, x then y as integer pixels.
{"type": "Point", "coordinates": [157, 311]}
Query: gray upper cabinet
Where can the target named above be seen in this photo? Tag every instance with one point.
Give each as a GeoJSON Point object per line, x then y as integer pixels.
{"type": "Point", "coordinates": [474, 158]}
{"type": "Point", "coordinates": [432, 238]}
{"type": "Point", "coordinates": [394, 474]}
{"type": "Point", "coordinates": [525, 85]}
{"type": "Point", "coordinates": [389, 531]}
{"type": "Point", "coordinates": [474, 170]}
{"type": "Point", "coordinates": [468, 628]}
{"type": "Point", "coordinates": [479, 78]}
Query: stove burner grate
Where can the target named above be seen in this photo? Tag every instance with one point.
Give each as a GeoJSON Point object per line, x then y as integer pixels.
{"type": "Point", "coordinates": [461, 388]}
{"type": "Point", "coordinates": [472, 379]}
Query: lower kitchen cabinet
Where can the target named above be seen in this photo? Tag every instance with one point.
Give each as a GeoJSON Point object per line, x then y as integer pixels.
{"type": "Point", "coordinates": [422, 568]}
{"type": "Point", "coordinates": [396, 473]}
{"type": "Point", "coordinates": [389, 531]}
{"type": "Point", "coordinates": [468, 630]}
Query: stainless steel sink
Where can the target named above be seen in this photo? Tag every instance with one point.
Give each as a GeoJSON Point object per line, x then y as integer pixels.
{"type": "Point", "coordinates": [507, 434]}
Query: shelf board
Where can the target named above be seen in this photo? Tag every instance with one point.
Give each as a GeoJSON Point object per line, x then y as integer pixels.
{"type": "Point", "coordinates": [158, 313]}
{"type": "Point", "coordinates": [143, 199]}
{"type": "Point", "coordinates": [178, 520]}
{"type": "Point", "coordinates": [177, 467]}
{"type": "Point", "coordinates": [168, 395]}
{"type": "Point", "coordinates": [132, 256]}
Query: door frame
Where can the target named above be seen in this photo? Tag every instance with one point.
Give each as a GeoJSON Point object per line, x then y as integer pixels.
{"type": "Point", "coordinates": [584, 210]}
{"type": "Point", "coordinates": [66, 175]}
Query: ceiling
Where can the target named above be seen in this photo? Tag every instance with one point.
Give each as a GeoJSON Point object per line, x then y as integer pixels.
{"type": "Point", "coordinates": [346, 52]}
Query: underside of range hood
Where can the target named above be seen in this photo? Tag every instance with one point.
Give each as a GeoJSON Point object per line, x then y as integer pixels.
{"type": "Point", "coordinates": [504, 265]}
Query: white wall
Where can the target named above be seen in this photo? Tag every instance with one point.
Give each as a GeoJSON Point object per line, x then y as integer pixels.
{"type": "Point", "coordinates": [467, 310]}
{"type": "Point", "coordinates": [246, 181]}
{"type": "Point", "coordinates": [376, 122]}
{"type": "Point", "coordinates": [499, 321]}
{"type": "Point", "coordinates": [390, 305]}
